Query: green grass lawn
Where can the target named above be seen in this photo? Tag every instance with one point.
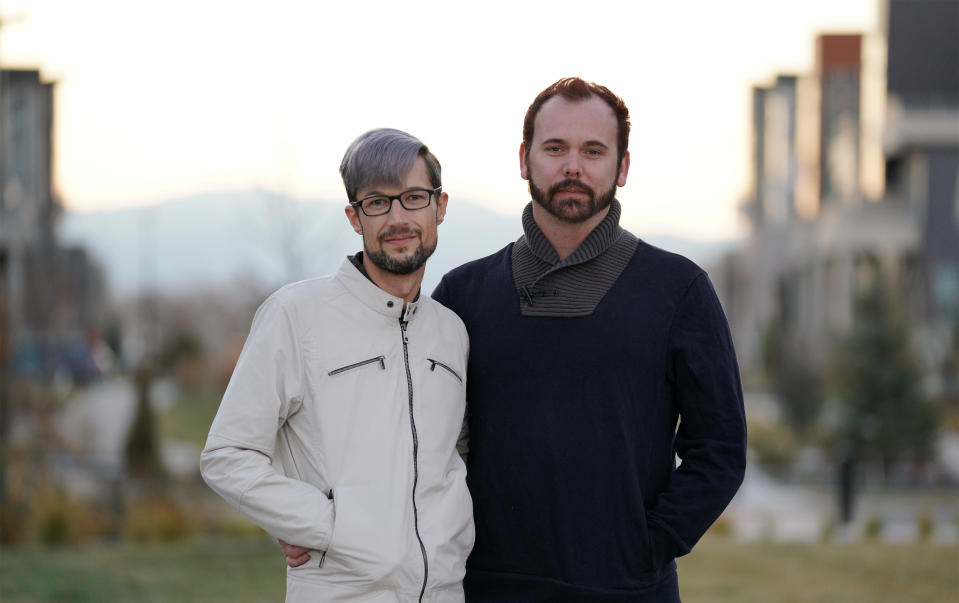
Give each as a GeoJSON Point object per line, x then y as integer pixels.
{"type": "Point", "coordinates": [719, 570]}
{"type": "Point", "coordinates": [252, 570]}
{"type": "Point", "coordinates": [209, 571]}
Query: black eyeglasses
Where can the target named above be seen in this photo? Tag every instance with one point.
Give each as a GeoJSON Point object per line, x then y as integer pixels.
{"type": "Point", "coordinates": [415, 198]}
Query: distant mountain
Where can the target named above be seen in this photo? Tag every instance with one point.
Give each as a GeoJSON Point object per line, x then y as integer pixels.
{"type": "Point", "coordinates": [266, 239]}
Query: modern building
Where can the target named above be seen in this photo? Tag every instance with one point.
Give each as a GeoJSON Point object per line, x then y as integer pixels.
{"type": "Point", "coordinates": [818, 233]}
{"type": "Point", "coordinates": [839, 72]}
{"type": "Point", "coordinates": [50, 296]}
{"type": "Point", "coordinates": [921, 140]}
{"type": "Point", "coordinates": [27, 205]}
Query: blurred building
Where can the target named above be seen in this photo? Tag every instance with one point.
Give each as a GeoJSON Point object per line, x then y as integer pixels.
{"type": "Point", "coordinates": [921, 139]}
{"type": "Point", "coordinates": [51, 297]}
{"type": "Point", "coordinates": [844, 191]}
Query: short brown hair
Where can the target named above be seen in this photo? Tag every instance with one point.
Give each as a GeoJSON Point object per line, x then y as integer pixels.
{"type": "Point", "coordinates": [577, 89]}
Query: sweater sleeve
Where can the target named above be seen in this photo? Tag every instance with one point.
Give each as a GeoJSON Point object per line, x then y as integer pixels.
{"type": "Point", "coordinates": [441, 294]}
{"type": "Point", "coordinates": [237, 462]}
{"type": "Point", "coordinates": [711, 439]}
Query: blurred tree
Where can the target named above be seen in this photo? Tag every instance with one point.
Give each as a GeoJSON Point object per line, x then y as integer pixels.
{"type": "Point", "coordinates": [885, 414]}
{"type": "Point", "coordinates": [797, 383]}
{"type": "Point", "coordinates": [5, 391]}
{"type": "Point", "coordinates": [182, 356]}
{"type": "Point", "coordinates": [950, 374]}
{"type": "Point", "coordinates": [142, 448]}
{"type": "Point", "coordinates": [183, 346]}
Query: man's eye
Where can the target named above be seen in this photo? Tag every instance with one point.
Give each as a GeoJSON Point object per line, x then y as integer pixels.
{"type": "Point", "coordinates": [553, 149]}
{"type": "Point", "coordinates": [414, 197]}
{"type": "Point", "coordinates": [376, 202]}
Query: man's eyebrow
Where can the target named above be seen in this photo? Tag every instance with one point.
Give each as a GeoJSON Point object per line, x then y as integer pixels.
{"type": "Point", "coordinates": [589, 143]}
{"type": "Point", "coordinates": [376, 192]}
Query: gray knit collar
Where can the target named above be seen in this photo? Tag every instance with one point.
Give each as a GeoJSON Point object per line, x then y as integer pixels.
{"type": "Point", "coordinates": [599, 240]}
{"type": "Point", "coordinates": [548, 286]}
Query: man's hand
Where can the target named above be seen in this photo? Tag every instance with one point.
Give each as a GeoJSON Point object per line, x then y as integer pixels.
{"type": "Point", "coordinates": [295, 555]}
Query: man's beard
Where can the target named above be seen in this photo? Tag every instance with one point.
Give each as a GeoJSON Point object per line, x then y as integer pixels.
{"type": "Point", "coordinates": [571, 211]}
{"type": "Point", "coordinates": [405, 265]}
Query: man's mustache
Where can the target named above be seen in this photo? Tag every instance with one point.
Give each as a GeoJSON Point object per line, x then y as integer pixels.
{"type": "Point", "coordinates": [570, 183]}
{"type": "Point", "coordinates": [399, 232]}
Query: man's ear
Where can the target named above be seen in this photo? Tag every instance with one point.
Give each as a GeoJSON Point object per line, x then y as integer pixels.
{"type": "Point", "coordinates": [354, 219]}
{"type": "Point", "coordinates": [441, 207]}
{"type": "Point", "coordinates": [623, 170]}
{"type": "Point", "coordinates": [523, 169]}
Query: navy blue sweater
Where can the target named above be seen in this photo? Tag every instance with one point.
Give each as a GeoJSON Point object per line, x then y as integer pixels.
{"type": "Point", "coordinates": [573, 431]}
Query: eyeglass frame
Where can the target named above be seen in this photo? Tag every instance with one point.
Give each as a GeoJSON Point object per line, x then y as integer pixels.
{"type": "Point", "coordinates": [359, 203]}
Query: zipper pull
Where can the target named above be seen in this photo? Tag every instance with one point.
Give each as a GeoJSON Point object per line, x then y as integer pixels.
{"type": "Point", "coordinates": [406, 338]}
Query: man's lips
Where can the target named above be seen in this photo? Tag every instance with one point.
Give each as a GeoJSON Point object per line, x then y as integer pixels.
{"type": "Point", "coordinates": [400, 239]}
{"type": "Point", "coordinates": [571, 187]}
{"type": "Point", "coordinates": [572, 190]}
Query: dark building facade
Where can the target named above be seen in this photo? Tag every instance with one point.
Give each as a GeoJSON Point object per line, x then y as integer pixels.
{"type": "Point", "coordinates": [50, 296]}
{"type": "Point", "coordinates": [922, 140]}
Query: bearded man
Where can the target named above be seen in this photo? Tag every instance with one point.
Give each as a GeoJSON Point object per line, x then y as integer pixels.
{"type": "Point", "coordinates": [595, 361]}
{"type": "Point", "coordinates": [338, 431]}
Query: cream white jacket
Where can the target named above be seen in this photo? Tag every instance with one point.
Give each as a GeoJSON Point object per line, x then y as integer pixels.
{"type": "Point", "coordinates": [338, 432]}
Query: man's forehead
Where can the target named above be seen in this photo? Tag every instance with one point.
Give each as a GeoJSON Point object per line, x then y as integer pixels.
{"type": "Point", "coordinates": [560, 118]}
{"type": "Point", "coordinates": [417, 176]}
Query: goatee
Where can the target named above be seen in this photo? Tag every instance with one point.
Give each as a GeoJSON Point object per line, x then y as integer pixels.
{"type": "Point", "coordinates": [570, 210]}
{"type": "Point", "coordinates": [404, 265]}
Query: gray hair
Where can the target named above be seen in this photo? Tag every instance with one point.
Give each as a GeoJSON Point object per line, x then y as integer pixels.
{"type": "Point", "coordinates": [384, 157]}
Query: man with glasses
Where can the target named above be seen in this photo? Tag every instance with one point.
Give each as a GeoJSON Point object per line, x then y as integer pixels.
{"type": "Point", "coordinates": [338, 431]}
{"type": "Point", "coordinates": [587, 348]}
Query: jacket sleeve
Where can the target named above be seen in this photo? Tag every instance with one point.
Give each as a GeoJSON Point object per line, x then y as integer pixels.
{"type": "Point", "coordinates": [266, 388]}
{"type": "Point", "coordinates": [711, 439]}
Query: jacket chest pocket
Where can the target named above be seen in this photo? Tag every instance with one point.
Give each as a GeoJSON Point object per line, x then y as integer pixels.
{"type": "Point", "coordinates": [441, 402]}
{"type": "Point", "coordinates": [353, 389]}
{"type": "Point", "coordinates": [444, 368]}
{"type": "Point", "coordinates": [379, 361]}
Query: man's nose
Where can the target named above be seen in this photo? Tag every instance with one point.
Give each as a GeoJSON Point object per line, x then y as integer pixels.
{"type": "Point", "coordinates": [572, 167]}
{"type": "Point", "coordinates": [398, 214]}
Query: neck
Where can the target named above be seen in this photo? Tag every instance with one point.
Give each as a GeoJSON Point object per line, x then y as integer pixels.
{"type": "Point", "coordinates": [405, 286]}
{"type": "Point", "coordinates": [565, 237]}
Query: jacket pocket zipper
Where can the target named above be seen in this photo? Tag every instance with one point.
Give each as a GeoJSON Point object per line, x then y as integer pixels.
{"type": "Point", "coordinates": [343, 369]}
{"type": "Point", "coordinates": [323, 556]}
{"type": "Point", "coordinates": [436, 363]}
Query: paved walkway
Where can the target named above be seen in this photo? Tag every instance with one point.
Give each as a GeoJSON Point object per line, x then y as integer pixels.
{"type": "Point", "coordinates": [767, 509]}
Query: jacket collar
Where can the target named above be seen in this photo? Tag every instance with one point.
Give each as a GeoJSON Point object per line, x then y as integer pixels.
{"type": "Point", "coordinates": [372, 296]}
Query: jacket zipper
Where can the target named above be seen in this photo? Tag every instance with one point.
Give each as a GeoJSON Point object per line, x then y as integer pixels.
{"type": "Point", "coordinates": [329, 497]}
{"type": "Point", "coordinates": [435, 363]}
{"type": "Point", "coordinates": [416, 446]}
{"type": "Point", "coordinates": [343, 369]}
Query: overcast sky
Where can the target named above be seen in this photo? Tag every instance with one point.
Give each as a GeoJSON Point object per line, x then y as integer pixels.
{"type": "Point", "coordinates": [163, 99]}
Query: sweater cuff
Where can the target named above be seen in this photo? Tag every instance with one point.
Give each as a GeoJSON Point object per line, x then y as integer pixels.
{"type": "Point", "coordinates": [664, 545]}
